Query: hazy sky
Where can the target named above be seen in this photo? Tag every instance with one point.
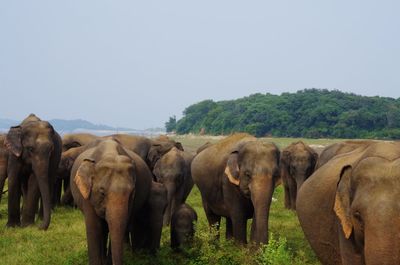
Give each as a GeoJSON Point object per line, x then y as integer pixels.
{"type": "Point", "coordinates": [135, 63]}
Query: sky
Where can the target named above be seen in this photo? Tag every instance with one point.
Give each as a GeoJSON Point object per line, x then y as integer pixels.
{"type": "Point", "coordinates": [136, 63]}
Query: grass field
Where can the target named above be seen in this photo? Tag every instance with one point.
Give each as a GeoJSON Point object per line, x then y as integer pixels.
{"type": "Point", "coordinates": [65, 240]}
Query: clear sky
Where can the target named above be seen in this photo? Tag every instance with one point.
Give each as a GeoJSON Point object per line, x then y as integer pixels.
{"type": "Point", "coordinates": [135, 63]}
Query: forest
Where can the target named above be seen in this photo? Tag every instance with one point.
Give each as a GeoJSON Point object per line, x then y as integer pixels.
{"type": "Point", "coordinates": [310, 113]}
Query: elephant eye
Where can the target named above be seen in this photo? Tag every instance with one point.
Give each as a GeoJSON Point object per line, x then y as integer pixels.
{"type": "Point", "coordinates": [30, 149]}
{"type": "Point", "coordinates": [357, 216]}
{"type": "Point", "coordinates": [102, 191]}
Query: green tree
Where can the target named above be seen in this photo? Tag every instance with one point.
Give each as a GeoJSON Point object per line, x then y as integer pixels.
{"type": "Point", "coordinates": [170, 125]}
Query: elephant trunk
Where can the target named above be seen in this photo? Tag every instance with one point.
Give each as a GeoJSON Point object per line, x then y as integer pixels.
{"type": "Point", "coordinates": [41, 171]}
{"type": "Point", "coordinates": [171, 190]}
{"type": "Point", "coordinates": [261, 195]}
{"type": "Point", "coordinates": [117, 218]}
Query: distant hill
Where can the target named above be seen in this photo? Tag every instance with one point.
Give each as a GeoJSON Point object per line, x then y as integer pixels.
{"type": "Point", "coordinates": [311, 113]}
{"type": "Point", "coordinates": [64, 126]}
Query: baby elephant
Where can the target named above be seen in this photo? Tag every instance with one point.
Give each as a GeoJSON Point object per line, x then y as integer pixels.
{"type": "Point", "coordinates": [182, 226]}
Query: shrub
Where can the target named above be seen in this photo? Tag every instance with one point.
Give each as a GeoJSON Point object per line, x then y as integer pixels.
{"type": "Point", "coordinates": [275, 253]}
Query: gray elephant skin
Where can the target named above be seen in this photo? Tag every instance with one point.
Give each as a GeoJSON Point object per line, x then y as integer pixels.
{"type": "Point", "coordinates": [297, 163]}
{"type": "Point", "coordinates": [34, 154]}
{"type": "Point", "coordinates": [236, 177]}
{"type": "Point", "coordinates": [182, 226]}
{"type": "Point", "coordinates": [113, 188]}
{"type": "Point", "coordinates": [349, 208]}
{"type": "Point", "coordinates": [173, 170]}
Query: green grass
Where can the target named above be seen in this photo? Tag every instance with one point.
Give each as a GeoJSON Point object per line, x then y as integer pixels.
{"type": "Point", "coordinates": [65, 240]}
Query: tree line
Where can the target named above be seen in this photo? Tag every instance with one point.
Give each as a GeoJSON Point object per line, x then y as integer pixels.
{"type": "Point", "coordinates": [310, 113]}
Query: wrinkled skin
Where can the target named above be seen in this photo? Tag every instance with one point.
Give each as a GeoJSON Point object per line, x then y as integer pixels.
{"type": "Point", "coordinates": [203, 147]}
{"type": "Point", "coordinates": [3, 163]}
{"type": "Point", "coordinates": [110, 186]}
{"type": "Point", "coordinates": [182, 226]}
{"type": "Point", "coordinates": [147, 227]}
{"type": "Point", "coordinates": [173, 170]}
{"type": "Point", "coordinates": [297, 164]}
{"type": "Point", "coordinates": [339, 148]}
{"type": "Point", "coordinates": [236, 177]}
{"type": "Point", "coordinates": [158, 149]}
{"type": "Point", "coordinates": [149, 150]}
{"type": "Point", "coordinates": [142, 146]}
{"type": "Point", "coordinates": [72, 140]}
{"type": "Point", "coordinates": [349, 208]}
{"type": "Point", "coordinates": [34, 154]}
{"type": "Point", "coordinates": [64, 170]}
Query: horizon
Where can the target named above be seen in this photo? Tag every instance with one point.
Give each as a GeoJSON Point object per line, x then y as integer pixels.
{"type": "Point", "coordinates": [134, 65]}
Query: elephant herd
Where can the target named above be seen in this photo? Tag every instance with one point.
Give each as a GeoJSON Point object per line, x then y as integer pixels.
{"type": "Point", "coordinates": [128, 187]}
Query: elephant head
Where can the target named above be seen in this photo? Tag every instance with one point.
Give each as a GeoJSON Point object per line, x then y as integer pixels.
{"type": "Point", "coordinates": [34, 143]}
{"type": "Point", "coordinates": [158, 148]}
{"type": "Point", "coordinates": [254, 167]}
{"type": "Point", "coordinates": [109, 185]}
{"type": "Point", "coordinates": [367, 207]}
{"type": "Point", "coordinates": [297, 163]}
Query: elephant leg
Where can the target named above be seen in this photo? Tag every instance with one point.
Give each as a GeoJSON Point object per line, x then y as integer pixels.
{"type": "Point", "coordinates": [67, 198]}
{"type": "Point", "coordinates": [14, 191]}
{"type": "Point", "coordinates": [213, 219]}
{"type": "Point", "coordinates": [139, 231]}
{"type": "Point", "coordinates": [228, 232]}
{"type": "Point", "coordinates": [95, 236]}
{"type": "Point", "coordinates": [293, 192]}
{"type": "Point", "coordinates": [253, 229]}
{"type": "Point", "coordinates": [3, 176]}
{"type": "Point", "coordinates": [287, 196]}
{"type": "Point", "coordinates": [57, 191]}
{"type": "Point", "coordinates": [239, 225]}
{"type": "Point", "coordinates": [30, 202]}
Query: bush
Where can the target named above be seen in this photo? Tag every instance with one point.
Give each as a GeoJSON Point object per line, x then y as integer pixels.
{"type": "Point", "coordinates": [275, 253]}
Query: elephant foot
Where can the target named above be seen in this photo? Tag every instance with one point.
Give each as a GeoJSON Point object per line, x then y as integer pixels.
{"type": "Point", "coordinates": [13, 224]}
{"type": "Point", "coordinates": [43, 226]}
{"type": "Point", "coordinates": [25, 223]}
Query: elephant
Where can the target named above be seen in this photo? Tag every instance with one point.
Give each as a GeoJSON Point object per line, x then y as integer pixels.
{"type": "Point", "coordinates": [204, 146]}
{"type": "Point", "coordinates": [3, 163]}
{"type": "Point", "coordinates": [349, 210]}
{"type": "Point", "coordinates": [297, 163]}
{"type": "Point", "coordinates": [149, 150]}
{"type": "Point", "coordinates": [138, 144]}
{"type": "Point", "coordinates": [158, 149]}
{"type": "Point", "coordinates": [113, 188]}
{"type": "Point", "coordinates": [236, 178]}
{"type": "Point", "coordinates": [34, 153]}
{"type": "Point", "coordinates": [339, 148]}
{"type": "Point", "coordinates": [76, 139]}
{"type": "Point", "coordinates": [64, 170]}
{"type": "Point", "coordinates": [173, 170]}
{"type": "Point", "coordinates": [146, 229]}
{"type": "Point", "coordinates": [182, 226]}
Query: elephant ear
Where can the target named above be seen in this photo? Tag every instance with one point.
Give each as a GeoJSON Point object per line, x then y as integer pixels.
{"type": "Point", "coordinates": [153, 154]}
{"type": "Point", "coordinates": [342, 201]}
{"type": "Point", "coordinates": [314, 160]}
{"type": "Point", "coordinates": [13, 141]}
{"type": "Point", "coordinates": [84, 177]}
{"type": "Point", "coordinates": [179, 146]}
{"type": "Point", "coordinates": [232, 168]}
{"type": "Point", "coordinates": [157, 177]}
